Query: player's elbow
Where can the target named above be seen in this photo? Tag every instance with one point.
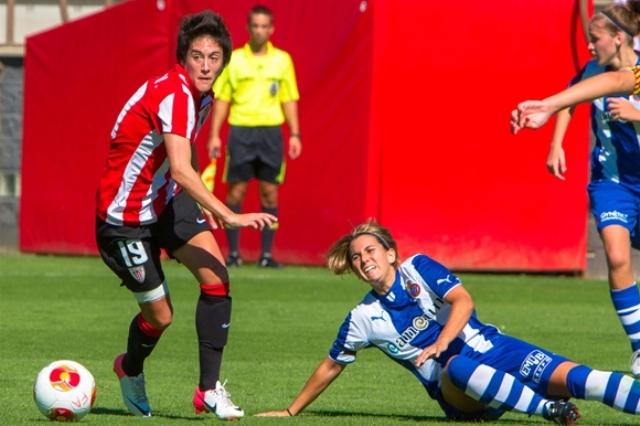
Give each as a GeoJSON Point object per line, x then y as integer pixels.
{"type": "Point", "coordinates": [181, 175]}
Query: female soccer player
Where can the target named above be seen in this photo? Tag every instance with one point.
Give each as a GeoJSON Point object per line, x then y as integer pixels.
{"type": "Point", "coordinates": [146, 203]}
{"type": "Point", "coordinates": [419, 314]}
{"type": "Point", "coordinates": [614, 190]}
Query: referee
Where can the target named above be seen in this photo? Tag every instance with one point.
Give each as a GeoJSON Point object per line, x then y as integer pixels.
{"type": "Point", "coordinates": [258, 91]}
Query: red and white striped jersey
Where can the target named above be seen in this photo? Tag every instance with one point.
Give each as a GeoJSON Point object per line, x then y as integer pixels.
{"type": "Point", "coordinates": [137, 184]}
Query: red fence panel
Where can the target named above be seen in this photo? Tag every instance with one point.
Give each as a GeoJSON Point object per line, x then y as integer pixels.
{"type": "Point", "coordinates": [403, 111]}
{"type": "Point", "coordinates": [453, 181]}
{"type": "Point", "coordinates": [77, 77]}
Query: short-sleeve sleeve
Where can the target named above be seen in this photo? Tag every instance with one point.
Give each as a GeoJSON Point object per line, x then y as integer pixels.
{"type": "Point", "coordinates": [351, 338]}
{"type": "Point", "coordinates": [177, 113]}
{"type": "Point", "coordinates": [439, 279]}
{"type": "Point", "coordinates": [222, 86]}
{"type": "Point", "coordinates": [636, 73]}
{"type": "Point", "coordinates": [289, 88]}
{"type": "Point", "coordinates": [590, 69]}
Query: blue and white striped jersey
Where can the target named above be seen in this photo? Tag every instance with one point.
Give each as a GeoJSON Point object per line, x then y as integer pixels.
{"type": "Point", "coordinates": [616, 154]}
{"type": "Point", "coordinates": [409, 318]}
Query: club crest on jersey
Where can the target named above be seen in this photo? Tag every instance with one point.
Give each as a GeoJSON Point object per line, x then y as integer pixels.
{"type": "Point", "coordinates": [534, 365]}
{"type": "Point", "coordinates": [138, 274]}
{"type": "Point", "coordinates": [413, 289]}
{"type": "Point", "coordinates": [273, 88]}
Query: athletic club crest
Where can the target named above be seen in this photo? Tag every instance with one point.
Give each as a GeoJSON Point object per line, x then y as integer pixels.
{"type": "Point", "coordinates": [137, 272]}
{"type": "Point", "coordinates": [413, 289]}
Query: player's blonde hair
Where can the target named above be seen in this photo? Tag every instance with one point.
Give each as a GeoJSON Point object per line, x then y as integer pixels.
{"type": "Point", "coordinates": [621, 17]}
{"type": "Point", "coordinates": [338, 256]}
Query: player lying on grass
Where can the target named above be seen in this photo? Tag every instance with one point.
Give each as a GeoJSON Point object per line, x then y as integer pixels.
{"type": "Point", "coordinates": [419, 314]}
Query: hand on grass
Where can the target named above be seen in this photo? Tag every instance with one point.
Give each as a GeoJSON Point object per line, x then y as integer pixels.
{"type": "Point", "coordinates": [278, 413]}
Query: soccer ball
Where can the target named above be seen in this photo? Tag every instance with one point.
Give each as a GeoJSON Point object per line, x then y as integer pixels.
{"type": "Point", "coordinates": [64, 391]}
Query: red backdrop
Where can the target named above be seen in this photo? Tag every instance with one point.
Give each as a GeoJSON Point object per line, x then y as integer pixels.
{"type": "Point", "coordinates": [453, 181]}
{"type": "Point", "coordinates": [403, 110]}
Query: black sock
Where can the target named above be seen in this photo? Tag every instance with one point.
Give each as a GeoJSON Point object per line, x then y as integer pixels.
{"type": "Point", "coordinates": [213, 316]}
{"type": "Point", "coordinates": [233, 234]}
{"type": "Point", "coordinates": [268, 233]}
{"type": "Point", "coordinates": [139, 347]}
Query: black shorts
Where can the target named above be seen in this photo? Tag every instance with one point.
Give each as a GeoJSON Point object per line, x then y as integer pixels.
{"type": "Point", "coordinates": [255, 152]}
{"type": "Point", "coordinates": [133, 252]}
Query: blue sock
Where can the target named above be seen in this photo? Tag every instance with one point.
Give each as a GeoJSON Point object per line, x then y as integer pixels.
{"type": "Point", "coordinates": [611, 388]}
{"type": "Point", "coordinates": [627, 305]}
{"type": "Point", "coordinates": [495, 388]}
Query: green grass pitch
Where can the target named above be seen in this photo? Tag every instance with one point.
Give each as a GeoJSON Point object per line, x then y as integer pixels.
{"type": "Point", "coordinates": [283, 324]}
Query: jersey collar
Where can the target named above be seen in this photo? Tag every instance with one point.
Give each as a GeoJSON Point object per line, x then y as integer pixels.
{"type": "Point", "coordinates": [185, 77]}
{"type": "Point", "coordinates": [396, 297]}
{"type": "Point", "coordinates": [248, 51]}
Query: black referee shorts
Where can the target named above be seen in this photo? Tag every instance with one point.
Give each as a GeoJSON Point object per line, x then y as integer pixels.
{"type": "Point", "coordinates": [255, 152]}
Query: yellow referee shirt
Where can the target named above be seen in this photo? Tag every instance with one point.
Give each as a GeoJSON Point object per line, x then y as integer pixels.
{"type": "Point", "coordinates": [256, 86]}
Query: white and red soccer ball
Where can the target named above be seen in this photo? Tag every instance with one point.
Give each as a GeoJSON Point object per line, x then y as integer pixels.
{"type": "Point", "coordinates": [64, 391]}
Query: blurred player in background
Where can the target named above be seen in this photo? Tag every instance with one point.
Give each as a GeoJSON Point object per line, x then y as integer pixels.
{"type": "Point", "coordinates": [614, 190]}
{"type": "Point", "coordinates": [419, 314]}
{"type": "Point", "coordinates": [258, 89]}
{"type": "Point", "coordinates": [145, 203]}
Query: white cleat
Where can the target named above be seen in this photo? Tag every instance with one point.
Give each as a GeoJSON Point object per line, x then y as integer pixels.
{"type": "Point", "coordinates": [635, 363]}
{"type": "Point", "coordinates": [133, 391]}
{"type": "Point", "coordinates": [217, 401]}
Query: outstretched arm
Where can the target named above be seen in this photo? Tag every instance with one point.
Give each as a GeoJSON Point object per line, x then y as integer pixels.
{"type": "Point", "coordinates": [183, 172]}
{"type": "Point", "coordinates": [326, 372]}
{"type": "Point", "coordinates": [535, 113]}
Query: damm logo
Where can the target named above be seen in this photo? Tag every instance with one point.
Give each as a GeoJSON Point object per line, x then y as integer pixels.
{"type": "Point", "coordinates": [419, 323]}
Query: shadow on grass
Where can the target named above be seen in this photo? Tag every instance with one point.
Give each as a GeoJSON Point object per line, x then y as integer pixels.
{"type": "Point", "coordinates": [332, 413]}
{"type": "Point", "coordinates": [121, 412]}
{"type": "Point", "coordinates": [109, 411]}
{"type": "Point", "coordinates": [441, 419]}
